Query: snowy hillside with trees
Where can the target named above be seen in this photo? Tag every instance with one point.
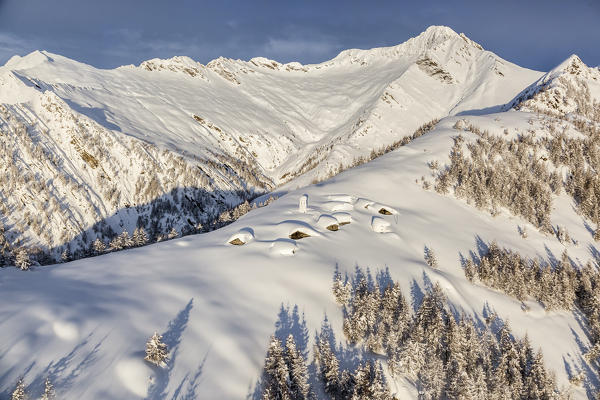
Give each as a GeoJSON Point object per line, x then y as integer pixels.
{"type": "Point", "coordinates": [457, 259]}
{"type": "Point", "coordinates": [170, 145]}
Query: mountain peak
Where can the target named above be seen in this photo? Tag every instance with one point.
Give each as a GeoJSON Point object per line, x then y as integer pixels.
{"type": "Point", "coordinates": [175, 64]}
{"type": "Point", "coordinates": [562, 90]}
{"type": "Point", "coordinates": [431, 38]}
{"type": "Point", "coordinates": [438, 31]}
{"type": "Point", "coordinates": [572, 65]}
{"type": "Point", "coordinates": [32, 59]}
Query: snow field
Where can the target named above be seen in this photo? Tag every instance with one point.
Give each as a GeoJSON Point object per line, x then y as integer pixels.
{"type": "Point", "coordinates": [217, 304]}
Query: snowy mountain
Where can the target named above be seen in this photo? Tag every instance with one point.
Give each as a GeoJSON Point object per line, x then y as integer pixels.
{"type": "Point", "coordinates": [102, 150]}
{"type": "Point", "coordinates": [570, 87]}
{"type": "Point", "coordinates": [487, 223]}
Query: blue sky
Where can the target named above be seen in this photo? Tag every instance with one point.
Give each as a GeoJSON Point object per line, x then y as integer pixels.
{"type": "Point", "coordinates": [107, 33]}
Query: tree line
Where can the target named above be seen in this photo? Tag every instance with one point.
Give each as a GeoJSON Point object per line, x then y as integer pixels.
{"type": "Point", "coordinates": [445, 355]}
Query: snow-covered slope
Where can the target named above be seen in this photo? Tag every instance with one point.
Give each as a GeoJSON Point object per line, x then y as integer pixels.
{"type": "Point", "coordinates": [67, 180]}
{"type": "Point", "coordinates": [84, 323]}
{"type": "Point", "coordinates": [279, 115]}
{"type": "Point", "coordinates": [571, 87]}
{"type": "Point", "coordinates": [244, 125]}
{"type": "Point", "coordinates": [277, 109]}
{"type": "Point", "coordinates": [237, 127]}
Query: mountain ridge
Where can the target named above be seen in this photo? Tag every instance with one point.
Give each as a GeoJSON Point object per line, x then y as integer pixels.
{"type": "Point", "coordinates": [272, 122]}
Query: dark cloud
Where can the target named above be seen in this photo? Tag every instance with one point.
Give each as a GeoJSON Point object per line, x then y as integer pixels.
{"type": "Point", "coordinates": [537, 33]}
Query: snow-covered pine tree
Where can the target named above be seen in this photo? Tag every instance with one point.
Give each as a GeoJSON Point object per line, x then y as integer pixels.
{"type": "Point", "coordinates": [125, 239]}
{"type": "Point", "coordinates": [341, 289]}
{"type": "Point", "coordinates": [4, 244]}
{"type": "Point", "coordinates": [275, 383]}
{"type": "Point", "coordinates": [65, 256]}
{"type": "Point", "coordinates": [539, 384]}
{"type": "Point", "coordinates": [19, 391]}
{"type": "Point", "coordinates": [173, 234]}
{"type": "Point", "coordinates": [563, 234]}
{"type": "Point", "coordinates": [430, 257]}
{"type": "Point", "coordinates": [374, 339]}
{"type": "Point", "coordinates": [430, 320]}
{"type": "Point", "coordinates": [379, 388]}
{"type": "Point", "coordinates": [98, 246]}
{"type": "Point", "coordinates": [299, 386]}
{"type": "Point", "coordinates": [509, 367]}
{"type": "Point", "coordinates": [431, 377]}
{"type": "Point", "coordinates": [409, 359]}
{"type": "Point", "coordinates": [369, 383]}
{"type": "Point", "coordinates": [395, 318]}
{"type": "Point", "coordinates": [565, 277]}
{"type": "Point", "coordinates": [362, 316]}
{"type": "Point", "coordinates": [116, 244]}
{"type": "Point", "coordinates": [470, 270]}
{"type": "Point", "coordinates": [459, 384]}
{"type": "Point", "coordinates": [328, 366]}
{"type": "Point", "coordinates": [22, 260]}
{"type": "Point", "coordinates": [480, 388]}
{"type": "Point", "coordinates": [156, 350]}
{"type": "Point", "coordinates": [49, 392]}
{"type": "Point", "coordinates": [593, 354]}
{"type": "Point", "coordinates": [140, 237]}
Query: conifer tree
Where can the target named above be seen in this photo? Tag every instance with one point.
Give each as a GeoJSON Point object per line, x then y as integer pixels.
{"type": "Point", "coordinates": [98, 246]}
{"type": "Point", "coordinates": [116, 244]}
{"type": "Point", "coordinates": [298, 371]}
{"type": "Point", "coordinates": [156, 350]}
{"type": "Point", "coordinates": [22, 260]}
{"type": "Point", "coordinates": [140, 237]}
{"type": "Point", "coordinates": [538, 384]}
{"type": "Point", "coordinates": [125, 240]}
{"type": "Point", "coordinates": [470, 270]}
{"type": "Point", "coordinates": [459, 384]}
{"type": "Point", "coordinates": [276, 373]}
{"type": "Point", "coordinates": [430, 257]}
{"type": "Point", "coordinates": [173, 234]}
{"type": "Point", "coordinates": [49, 392]}
{"type": "Point", "coordinates": [410, 359]}
{"type": "Point", "coordinates": [19, 391]}
{"type": "Point", "coordinates": [341, 289]}
{"type": "Point", "coordinates": [431, 377]}
{"type": "Point", "coordinates": [328, 365]}
{"type": "Point", "coordinates": [369, 383]}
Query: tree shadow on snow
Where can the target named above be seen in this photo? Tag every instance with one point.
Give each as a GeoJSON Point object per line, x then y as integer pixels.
{"type": "Point", "coordinates": [416, 294]}
{"type": "Point", "coordinates": [594, 252]}
{"type": "Point", "coordinates": [579, 363]}
{"type": "Point", "coordinates": [589, 228]}
{"type": "Point", "coordinates": [65, 371]}
{"type": "Point", "coordinates": [291, 323]}
{"type": "Point", "coordinates": [551, 257]}
{"type": "Point", "coordinates": [5, 394]}
{"type": "Point", "coordinates": [193, 383]}
{"type": "Point", "coordinates": [482, 246]}
{"type": "Point", "coordinates": [384, 278]}
{"type": "Point", "coordinates": [172, 338]}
